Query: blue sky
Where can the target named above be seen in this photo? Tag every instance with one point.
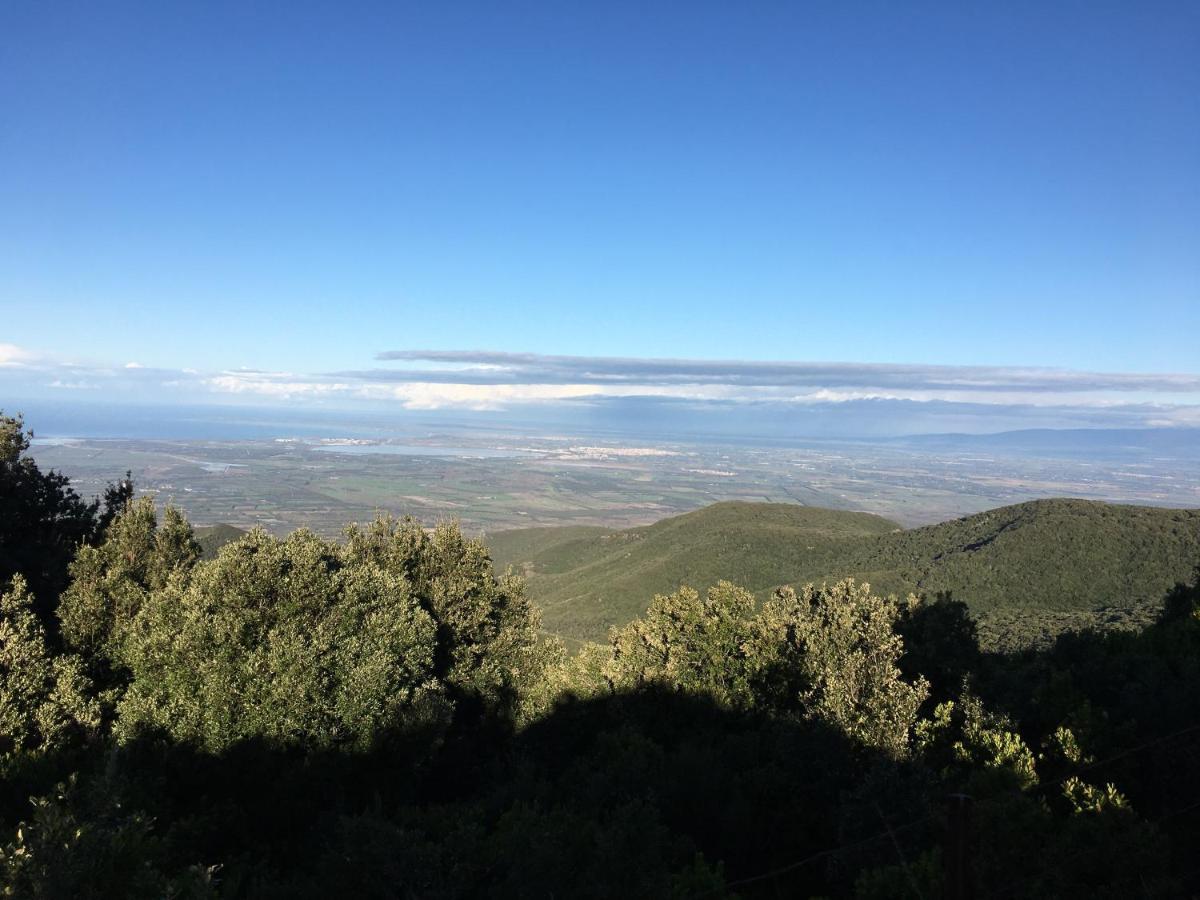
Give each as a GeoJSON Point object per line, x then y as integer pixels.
{"type": "Point", "coordinates": [297, 188]}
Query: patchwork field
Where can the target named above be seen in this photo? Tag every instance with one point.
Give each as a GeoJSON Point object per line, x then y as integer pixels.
{"type": "Point", "coordinates": [511, 481]}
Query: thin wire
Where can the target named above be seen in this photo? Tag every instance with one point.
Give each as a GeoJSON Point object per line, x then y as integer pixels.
{"type": "Point", "coordinates": [1006, 888]}
{"type": "Point", "coordinates": [791, 867]}
{"type": "Point", "coordinates": [1120, 755]}
{"type": "Point", "coordinates": [890, 832]}
{"type": "Point", "coordinates": [900, 853]}
{"type": "Point", "coordinates": [1176, 812]}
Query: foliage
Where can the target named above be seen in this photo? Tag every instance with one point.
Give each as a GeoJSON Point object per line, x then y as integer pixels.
{"type": "Point", "coordinates": [690, 644]}
{"type": "Point", "coordinates": [843, 637]}
{"type": "Point", "coordinates": [281, 640]}
{"type": "Point", "coordinates": [212, 538]}
{"type": "Point", "coordinates": [489, 650]}
{"type": "Point", "coordinates": [43, 520]}
{"type": "Point", "coordinates": [830, 653]}
{"type": "Point", "coordinates": [965, 736]}
{"type": "Point", "coordinates": [303, 642]}
{"type": "Point", "coordinates": [941, 643]}
{"type": "Point", "coordinates": [110, 582]}
{"type": "Point", "coordinates": [83, 844]}
{"type": "Point", "coordinates": [45, 699]}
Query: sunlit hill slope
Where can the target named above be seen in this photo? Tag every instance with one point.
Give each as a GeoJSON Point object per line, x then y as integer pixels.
{"type": "Point", "coordinates": [1037, 558]}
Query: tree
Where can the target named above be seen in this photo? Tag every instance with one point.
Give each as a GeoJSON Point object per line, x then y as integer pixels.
{"type": "Point", "coordinates": [693, 644]}
{"type": "Point", "coordinates": [490, 654]}
{"type": "Point", "coordinates": [46, 701]}
{"type": "Point", "coordinates": [838, 644]}
{"type": "Point", "coordinates": [303, 642]}
{"type": "Point", "coordinates": [86, 843]}
{"type": "Point", "coordinates": [281, 641]}
{"type": "Point", "coordinates": [829, 653]}
{"type": "Point", "coordinates": [117, 497]}
{"type": "Point", "coordinates": [42, 521]}
{"type": "Point", "coordinates": [110, 582]}
{"type": "Point", "coordinates": [941, 643]}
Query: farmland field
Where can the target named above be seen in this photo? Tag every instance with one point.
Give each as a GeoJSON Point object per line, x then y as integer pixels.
{"type": "Point", "coordinates": [499, 482]}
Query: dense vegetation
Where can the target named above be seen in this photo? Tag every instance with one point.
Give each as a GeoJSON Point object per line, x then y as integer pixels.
{"type": "Point", "coordinates": [1027, 572]}
{"type": "Point", "coordinates": [43, 519]}
{"type": "Point", "coordinates": [383, 717]}
{"type": "Point", "coordinates": [212, 538]}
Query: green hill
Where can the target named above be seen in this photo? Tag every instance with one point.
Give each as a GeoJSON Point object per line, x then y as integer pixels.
{"type": "Point", "coordinates": [587, 579]}
{"type": "Point", "coordinates": [212, 538]}
{"type": "Point", "coordinates": [1059, 557]}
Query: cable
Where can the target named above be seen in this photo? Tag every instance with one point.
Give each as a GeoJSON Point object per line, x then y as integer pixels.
{"type": "Point", "coordinates": [791, 867]}
{"type": "Point", "coordinates": [1119, 755]}
{"type": "Point", "coordinates": [1006, 888]}
{"type": "Point", "coordinates": [900, 853]}
{"type": "Point", "coordinates": [890, 832]}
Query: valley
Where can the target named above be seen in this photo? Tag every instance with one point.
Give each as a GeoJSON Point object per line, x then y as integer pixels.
{"type": "Point", "coordinates": [498, 480]}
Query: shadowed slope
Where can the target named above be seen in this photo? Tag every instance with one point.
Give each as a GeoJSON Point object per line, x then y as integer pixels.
{"type": "Point", "coordinates": [212, 538]}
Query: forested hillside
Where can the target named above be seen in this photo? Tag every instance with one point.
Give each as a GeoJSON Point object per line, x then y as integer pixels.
{"type": "Point", "coordinates": [587, 580]}
{"type": "Point", "coordinates": [212, 538]}
{"type": "Point", "coordinates": [385, 717]}
{"type": "Point", "coordinates": [1070, 562]}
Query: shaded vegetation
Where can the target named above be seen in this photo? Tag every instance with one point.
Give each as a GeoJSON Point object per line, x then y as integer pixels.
{"type": "Point", "coordinates": [43, 520]}
{"type": "Point", "coordinates": [212, 538]}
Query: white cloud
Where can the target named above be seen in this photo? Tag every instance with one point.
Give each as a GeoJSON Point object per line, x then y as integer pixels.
{"type": "Point", "coordinates": [493, 367]}
{"type": "Point", "coordinates": [12, 356]}
{"type": "Point", "coordinates": [59, 384]}
{"type": "Point", "coordinates": [472, 380]}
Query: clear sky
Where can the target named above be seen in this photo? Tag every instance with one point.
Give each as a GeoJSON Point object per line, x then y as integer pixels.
{"type": "Point", "coordinates": [298, 187]}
